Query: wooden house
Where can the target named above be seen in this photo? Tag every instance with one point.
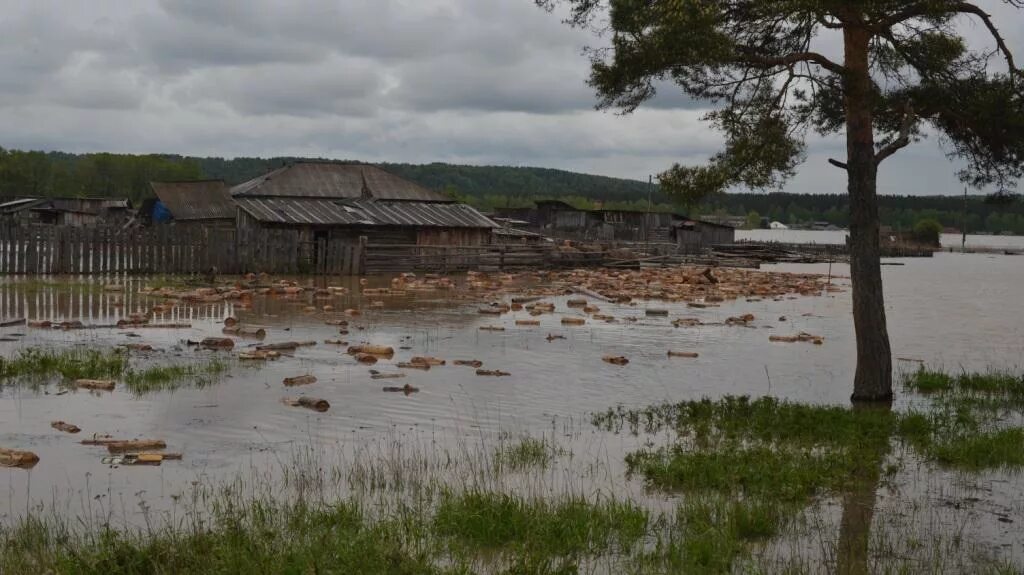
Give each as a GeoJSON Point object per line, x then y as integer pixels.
{"type": "Point", "coordinates": [342, 201]}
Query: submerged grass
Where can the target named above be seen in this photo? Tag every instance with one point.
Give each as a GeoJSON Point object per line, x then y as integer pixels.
{"type": "Point", "coordinates": [171, 377]}
{"type": "Point", "coordinates": [526, 453]}
{"type": "Point", "coordinates": [37, 366]}
{"type": "Point", "coordinates": [974, 423]}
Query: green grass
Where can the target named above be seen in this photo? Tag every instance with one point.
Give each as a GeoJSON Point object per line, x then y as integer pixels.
{"type": "Point", "coordinates": [497, 521]}
{"type": "Point", "coordinates": [764, 419]}
{"type": "Point", "coordinates": [171, 377]}
{"type": "Point", "coordinates": [973, 422]}
{"type": "Point", "coordinates": [526, 453]}
{"type": "Point", "coordinates": [37, 366]}
{"type": "Point", "coordinates": [783, 474]}
{"type": "Point", "coordinates": [260, 537]}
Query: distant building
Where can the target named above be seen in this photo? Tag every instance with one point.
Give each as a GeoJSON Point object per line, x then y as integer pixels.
{"type": "Point", "coordinates": [559, 219]}
{"type": "Point", "coordinates": [76, 212]}
{"type": "Point", "coordinates": [341, 201]}
{"type": "Point", "coordinates": [194, 204]}
{"type": "Point", "coordinates": [694, 236]}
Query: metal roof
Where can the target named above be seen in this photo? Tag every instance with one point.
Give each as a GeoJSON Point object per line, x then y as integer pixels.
{"type": "Point", "coordinates": [196, 200]}
{"type": "Point", "coordinates": [336, 181]}
{"type": "Point", "coordinates": [362, 212]}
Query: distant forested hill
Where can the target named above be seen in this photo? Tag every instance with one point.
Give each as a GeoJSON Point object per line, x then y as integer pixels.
{"type": "Point", "coordinates": [487, 187]}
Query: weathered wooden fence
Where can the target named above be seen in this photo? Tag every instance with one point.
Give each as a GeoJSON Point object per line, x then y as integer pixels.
{"type": "Point", "coordinates": [40, 249]}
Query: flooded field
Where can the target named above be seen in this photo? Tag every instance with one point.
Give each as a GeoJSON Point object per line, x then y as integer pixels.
{"type": "Point", "coordinates": [226, 417]}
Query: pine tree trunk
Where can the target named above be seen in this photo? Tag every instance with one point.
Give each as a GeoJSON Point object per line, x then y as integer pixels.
{"type": "Point", "coordinates": [873, 379]}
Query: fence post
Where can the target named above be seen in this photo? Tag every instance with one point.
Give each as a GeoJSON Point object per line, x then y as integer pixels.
{"type": "Point", "coordinates": [359, 263]}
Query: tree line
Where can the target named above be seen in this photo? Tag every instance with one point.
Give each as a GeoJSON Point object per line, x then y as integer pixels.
{"type": "Point", "coordinates": [34, 173]}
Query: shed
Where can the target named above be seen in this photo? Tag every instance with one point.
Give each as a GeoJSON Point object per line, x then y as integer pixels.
{"type": "Point", "coordinates": [200, 203]}
{"type": "Point", "coordinates": [693, 236]}
{"type": "Point", "coordinates": [67, 211]}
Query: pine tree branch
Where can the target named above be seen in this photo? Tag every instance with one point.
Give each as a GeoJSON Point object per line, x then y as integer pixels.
{"type": "Point", "coordinates": [790, 59]}
{"type": "Point", "coordinates": [901, 141]}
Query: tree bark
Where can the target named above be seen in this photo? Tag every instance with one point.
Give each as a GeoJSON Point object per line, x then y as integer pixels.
{"type": "Point", "coordinates": [873, 379]}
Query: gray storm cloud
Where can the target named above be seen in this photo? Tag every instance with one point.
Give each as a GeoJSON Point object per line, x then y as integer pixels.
{"type": "Point", "coordinates": [473, 81]}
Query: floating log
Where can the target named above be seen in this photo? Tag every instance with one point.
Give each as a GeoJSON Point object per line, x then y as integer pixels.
{"type": "Point", "coordinates": [492, 372]}
{"type": "Point", "coordinates": [230, 321]}
{"type": "Point", "coordinates": [379, 375]}
{"type": "Point", "coordinates": [258, 355]}
{"type": "Point", "coordinates": [573, 321]}
{"type": "Point", "coordinates": [528, 322]}
{"type": "Point", "coordinates": [284, 345]}
{"type": "Point", "coordinates": [468, 362]}
{"type": "Point", "coordinates": [591, 293]}
{"type": "Point", "coordinates": [15, 458]}
{"type": "Point", "coordinates": [656, 312]}
{"type": "Point", "coordinates": [381, 350]}
{"type": "Point", "coordinates": [135, 445]}
{"type": "Point", "coordinates": [491, 328]}
{"type": "Point", "coordinates": [576, 303]}
{"type": "Point", "coordinates": [11, 322]}
{"type": "Point", "coordinates": [39, 323]}
{"type": "Point", "coordinates": [427, 360]}
{"type": "Point", "coordinates": [615, 359]}
{"type": "Point", "coordinates": [217, 343]}
{"type": "Point", "coordinates": [245, 331]}
{"type": "Point", "coordinates": [95, 384]}
{"type": "Point", "coordinates": [300, 380]}
{"type": "Point", "coordinates": [65, 427]}
{"type": "Point", "coordinates": [365, 358]}
{"type": "Point", "coordinates": [406, 389]}
{"type": "Point", "coordinates": [800, 337]}
{"type": "Point", "coordinates": [689, 354]}
{"type": "Point", "coordinates": [313, 403]}
{"type": "Point", "coordinates": [411, 365]}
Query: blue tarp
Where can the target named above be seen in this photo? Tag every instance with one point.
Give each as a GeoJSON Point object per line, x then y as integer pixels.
{"type": "Point", "coordinates": [160, 213]}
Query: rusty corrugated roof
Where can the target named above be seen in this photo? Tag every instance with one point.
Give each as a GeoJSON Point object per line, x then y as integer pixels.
{"type": "Point", "coordinates": [336, 181]}
{"type": "Point", "coordinates": [363, 212]}
{"type": "Point", "coordinates": [196, 200]}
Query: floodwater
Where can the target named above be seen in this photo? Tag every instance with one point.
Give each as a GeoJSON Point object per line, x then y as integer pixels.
{"type": "Point", "coordinates": [837, 237]}
{"type": "Point", "coordinates": [952, 311]}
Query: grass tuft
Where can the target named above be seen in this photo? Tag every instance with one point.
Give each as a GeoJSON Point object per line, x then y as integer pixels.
{"type": "Point", "coordinates": [37, 366]}
{"type": "Point", "coordinates": [526, 453]}
{"type": "Point", "coordinates": [171, 377]}
{"type": "Point", "coordinates": [497, 521]}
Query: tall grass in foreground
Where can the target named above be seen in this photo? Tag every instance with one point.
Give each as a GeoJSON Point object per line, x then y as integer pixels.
{"type": "Point", "coordinates": [736, 480]}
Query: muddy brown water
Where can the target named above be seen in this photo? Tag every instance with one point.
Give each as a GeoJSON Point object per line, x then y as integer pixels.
{"type": "Point", "coordinates": [953, 311]}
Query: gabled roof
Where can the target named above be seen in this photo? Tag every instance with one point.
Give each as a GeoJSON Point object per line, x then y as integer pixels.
{"type": "Point", "coordinates": [334, 181]}
{"type": "Point", "coordinates": [195, 200]}
{"type": "Point", "coordinates": [362, 212]}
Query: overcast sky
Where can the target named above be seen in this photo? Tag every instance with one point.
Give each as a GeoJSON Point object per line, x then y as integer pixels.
{"type": "Point", "coordinates": [460, 81]}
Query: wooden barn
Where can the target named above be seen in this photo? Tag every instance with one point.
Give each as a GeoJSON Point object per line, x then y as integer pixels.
{"type": "Point", "coordinates": [694, 236]}
{"type": "Point", "coordinates": [342, 201]}
{"type": "Point", "coordinates": [560, 219]}
{"type": "Point", "coordinates": [193, 204]}
{"type": "Point", "coordinates": [74, 212]}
